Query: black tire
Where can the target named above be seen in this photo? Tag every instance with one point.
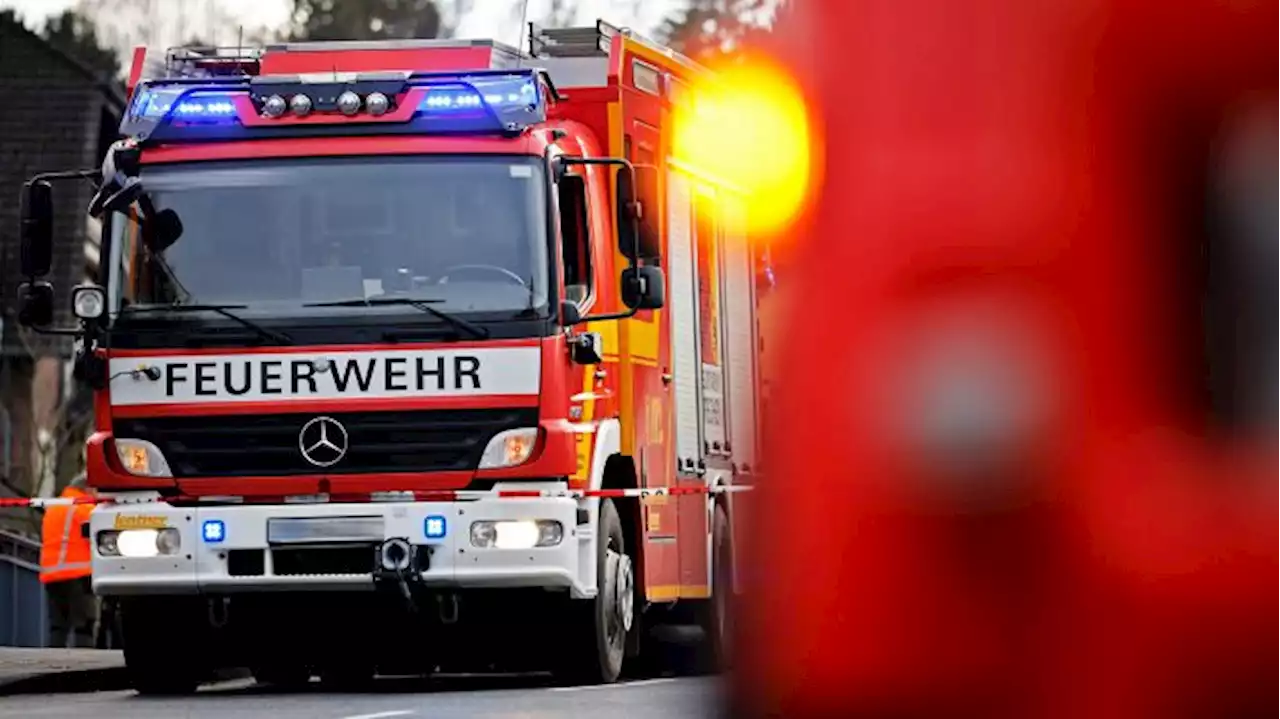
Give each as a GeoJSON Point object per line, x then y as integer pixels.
{"type": "Point", "coordinates": [283, 676]}
{"type": "Point", "coordinates": [716, 652]}
{"type": "Point", "coordinates": [600, 626]}
{"type": "Point", "coordinates": [161, 648]}
{"type": "Point", "coordinates": [355, 677]}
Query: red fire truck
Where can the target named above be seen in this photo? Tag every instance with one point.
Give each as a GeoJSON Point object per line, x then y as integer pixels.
{"type": "Point", "coordinates": [411, 355]}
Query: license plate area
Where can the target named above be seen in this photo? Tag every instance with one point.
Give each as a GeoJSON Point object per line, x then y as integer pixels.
{"type": "Point", "coordinates": [324, 530]}
{"type": "Point", "coordinates": [323, 560]}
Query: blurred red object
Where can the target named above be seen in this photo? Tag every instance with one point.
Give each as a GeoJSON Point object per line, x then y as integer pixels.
{"type": "Point", "coordinates": [1023, 451]}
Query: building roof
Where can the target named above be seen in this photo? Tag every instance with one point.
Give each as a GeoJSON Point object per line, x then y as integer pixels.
{"type": "Point", "coordinates": [113, 90]}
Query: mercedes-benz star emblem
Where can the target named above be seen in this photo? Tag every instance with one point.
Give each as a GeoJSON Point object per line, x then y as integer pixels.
{"type": "Point", "coordinates": [323, 441]}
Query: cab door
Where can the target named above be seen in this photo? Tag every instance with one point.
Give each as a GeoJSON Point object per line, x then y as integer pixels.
{"type": "Point", "coordinates": [649, 341]}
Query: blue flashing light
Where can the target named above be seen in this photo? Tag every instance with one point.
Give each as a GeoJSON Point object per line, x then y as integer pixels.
{"type": "Point", "coordinates": [435, 526]}
{"type": "Point", "coordinates": [184, 103]}
{"type": "Point", "coordinates": [213, 531]}
{"type": "Point", "coordinates": [505, 98]}
{"type": "Point", "coordinates": [451, 98]}
{"type": "Point", "coordinates": [202, 106]}
{"type": "Point", "coordinates": [476, 102]}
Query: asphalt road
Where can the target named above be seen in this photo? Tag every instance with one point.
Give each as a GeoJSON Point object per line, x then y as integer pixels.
{"type": "Point", "coordinates": [516, 697]}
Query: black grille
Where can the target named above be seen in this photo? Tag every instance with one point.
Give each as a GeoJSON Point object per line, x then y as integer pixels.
{"type": "Point", "coordinates": [267, 445]}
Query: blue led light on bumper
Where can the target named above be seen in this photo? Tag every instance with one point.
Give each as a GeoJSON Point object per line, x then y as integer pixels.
{"type": "Point", "coordinates": [213, 531]}
{"type": "Point", "coordinates": [434, 527]}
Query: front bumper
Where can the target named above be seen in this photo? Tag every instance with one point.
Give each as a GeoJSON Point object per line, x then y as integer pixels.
{"type": "Point", "coordinates": [203, 566]}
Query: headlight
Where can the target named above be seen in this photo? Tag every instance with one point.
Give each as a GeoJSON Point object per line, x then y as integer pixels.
{"type": "Point", "coordinates": [88, 302]}
{"type": "Point", "coordinates": [139, 542]}
{"type": "Point", "coordinates": [522, 534]}
{"type": "Point", "coordinates": [509, 448]}
{"type": "Point", "coordinates": [140, 457]}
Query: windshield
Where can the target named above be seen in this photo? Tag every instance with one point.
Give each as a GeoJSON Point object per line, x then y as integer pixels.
{"type": "Point", "coordinates": [288, 238]}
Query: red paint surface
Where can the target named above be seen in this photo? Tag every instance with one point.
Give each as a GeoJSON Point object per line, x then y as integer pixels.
{"type": "Point", "coordinates": [1124, 563]}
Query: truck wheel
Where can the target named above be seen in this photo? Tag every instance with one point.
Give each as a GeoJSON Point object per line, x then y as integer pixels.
{"type": "Point", "coordinates": [283, 676]}
{"type": "Point", "coordinates": [716, 653]}
{"type": "Point", "coordinates": [161, 648]}
{"type": "Point", "coordinates": [600, 626]}
{"type": "Point", "coordinates": [356, 677]}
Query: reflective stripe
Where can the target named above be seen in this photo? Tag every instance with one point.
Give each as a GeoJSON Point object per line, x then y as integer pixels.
{"type": "Point", "coordinates": [66, 536]}
{"type": "Point", "coordinates": [64, 572]}
{"type": "Point", "coordinates": [67, 567]}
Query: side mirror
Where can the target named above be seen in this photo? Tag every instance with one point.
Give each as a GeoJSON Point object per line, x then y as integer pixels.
{"type": "Point", "coordinates": [161, 230]}
{"type": "Point", "coordinates": [114, 196]}
{"type": "Point", "coordinates": [629, 212]}
{"type": "Point", "coordinates": [120, 183]}
{"type": "Point", "coordinates": [35, 304]}
{"type": "Point", "coordinates": [569, 314]}
{"type": "Point", "coordinates": [35, 243]}
{"type": "Point", "coordinates": [644, 288]}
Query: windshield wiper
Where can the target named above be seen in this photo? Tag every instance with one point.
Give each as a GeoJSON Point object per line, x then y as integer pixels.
{"type": "Point", "coordinates": [224, 310]}
{"type": "Point", "coordinates": [423, 305]}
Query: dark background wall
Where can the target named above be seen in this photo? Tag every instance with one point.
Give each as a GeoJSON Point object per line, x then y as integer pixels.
{"type": "Point", "coordinates": [57, 114]}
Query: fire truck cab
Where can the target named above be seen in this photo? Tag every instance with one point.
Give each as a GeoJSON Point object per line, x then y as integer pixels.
{"type": "Point", "coordinates": [410, 355]}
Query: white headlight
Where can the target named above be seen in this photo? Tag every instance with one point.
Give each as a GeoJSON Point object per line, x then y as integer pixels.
{"type": "Point", "coordinates": [142, 458]}
{"type": "Point", "coordinates": [108, 543]}
{"type": "Point", "coordinates": [520, 534]}
{"type": "Point", "coordinates": [509, 448]}
{"type": "Point", "coordinates": [169, 541]}
{"type": "Point", "coordinates": [139, 542]}
{"type": "Point", "coordinates": [88, 302]}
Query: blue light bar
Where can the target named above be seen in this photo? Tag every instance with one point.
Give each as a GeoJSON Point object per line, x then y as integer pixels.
{"type": "Point", "coordinates": [475, 102]}
{"type": "Point", "coordinates": [471, 93]}
{"type": "Point", "coordinates": [204, 105]}
{"type": "Point", "coordinates": [184, 103]}
{"type": "Point", "coordinates": [478, 102]}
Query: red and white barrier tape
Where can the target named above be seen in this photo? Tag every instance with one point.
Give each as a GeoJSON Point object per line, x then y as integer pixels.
{"type": "Point", "coordinates": [442, 495]}
{"type": "Point", "coordinates": [47, 501]}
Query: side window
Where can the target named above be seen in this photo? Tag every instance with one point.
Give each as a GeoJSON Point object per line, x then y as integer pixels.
{"type": "Point", "coordinates": [575, 238]}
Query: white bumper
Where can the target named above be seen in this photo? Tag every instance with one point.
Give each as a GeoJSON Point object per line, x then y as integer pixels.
{"type": "Point", "coordinates": [201, 566]}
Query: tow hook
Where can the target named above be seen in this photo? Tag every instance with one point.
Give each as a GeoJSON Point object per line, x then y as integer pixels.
{"type": "Point", "coordinates": [395, 565]}
{"type": "Point", "coordinates": [448, 605]}
{"type": "Point", "coordinates": [218, 612]}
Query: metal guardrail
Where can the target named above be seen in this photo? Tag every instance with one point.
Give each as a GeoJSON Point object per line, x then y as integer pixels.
{"type": "Point", "coordinates": [24, 614]}
{"type": "Point", "coordinates": [19, 550]}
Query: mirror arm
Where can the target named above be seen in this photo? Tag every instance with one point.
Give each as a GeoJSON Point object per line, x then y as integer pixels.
{"type": "Point", "coordinates": [610, 316]}
{"type": "Point", "coordinates": [634, 259]}
{"type": "Point", "coordinates": [630, 169]}
{"type": "Point", "coordinates": [60, 331]}
{"type": "Point", "coordinates": [91, 175]}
